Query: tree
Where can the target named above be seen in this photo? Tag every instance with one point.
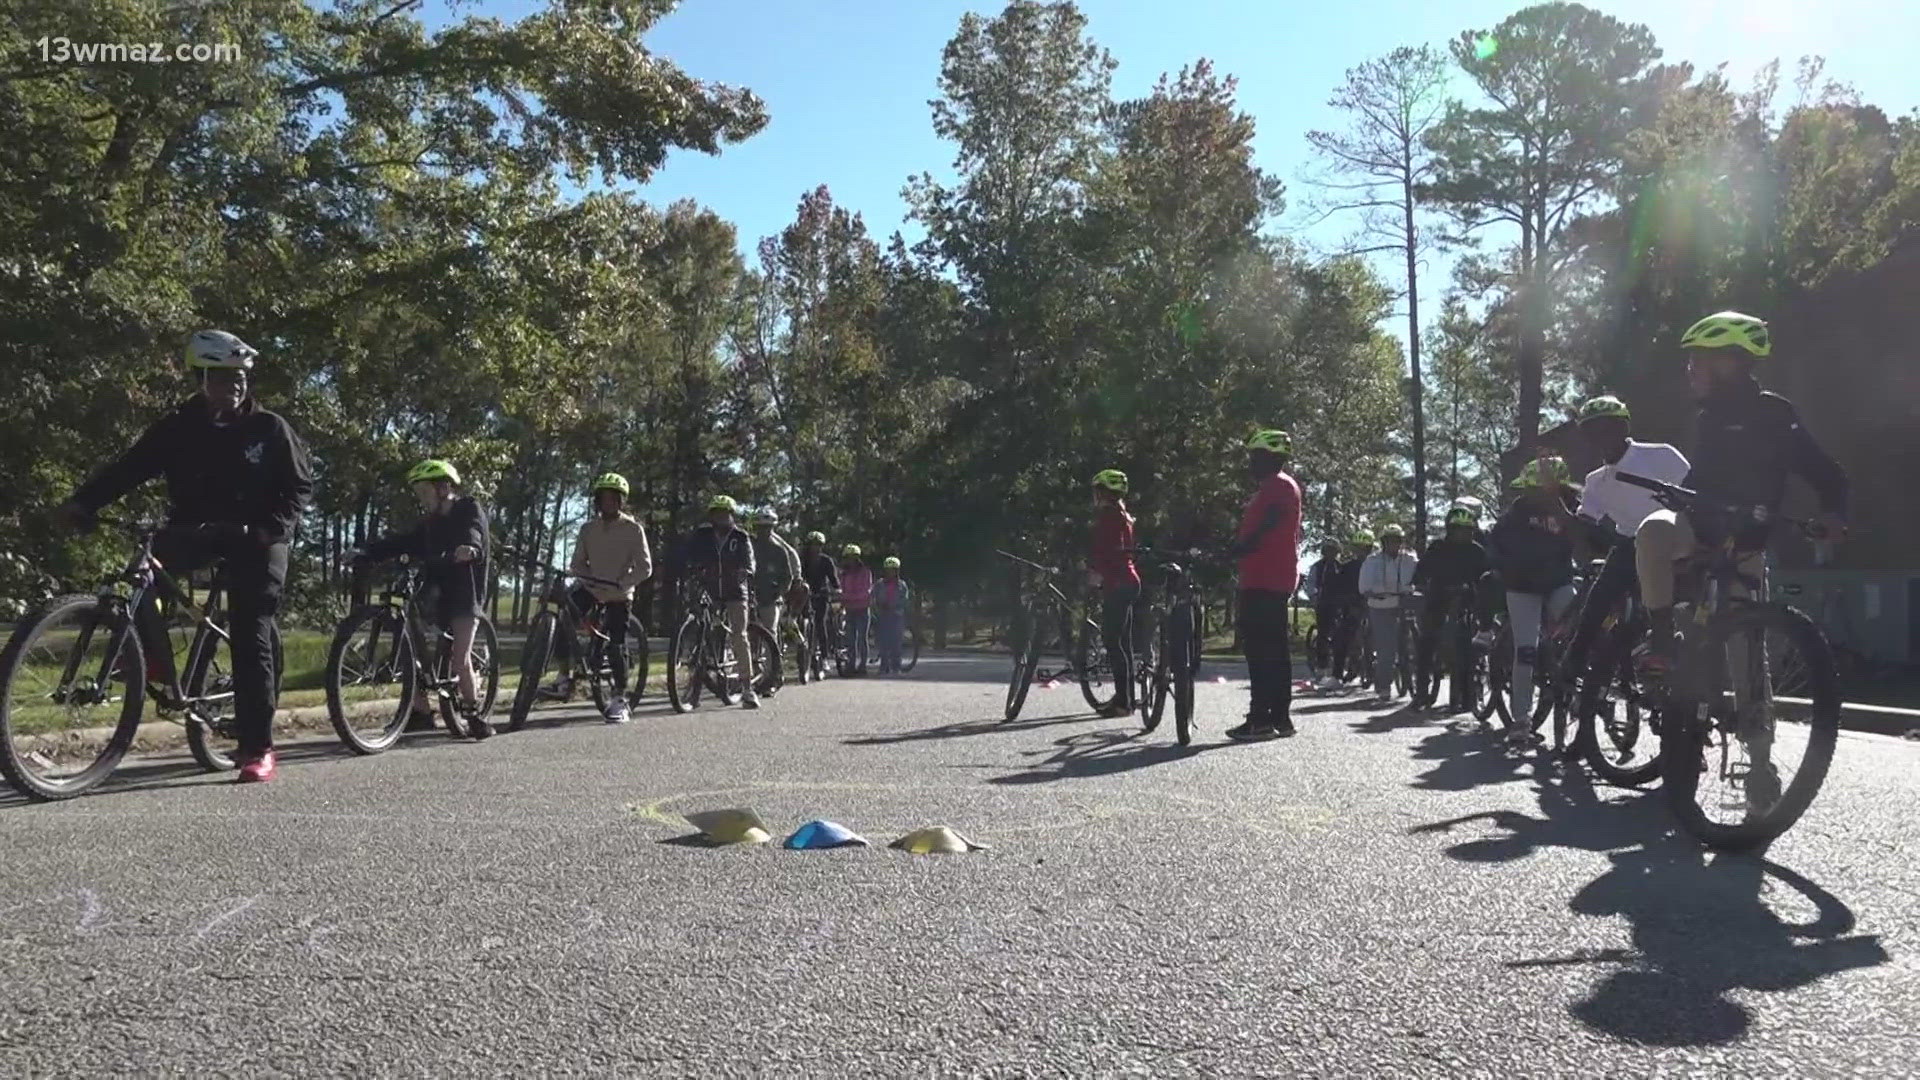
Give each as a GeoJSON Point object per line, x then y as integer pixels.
{"type": "Point", "coordinates": [1565, 87]}
{"type": "Point", "coordinates": [1377, 166]}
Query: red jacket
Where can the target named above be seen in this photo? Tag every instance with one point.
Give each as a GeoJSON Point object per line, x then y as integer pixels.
{"type": "Point", "coordinates": [1274, 562]}
{"type": "Point", "coordinates": [1113, 547]}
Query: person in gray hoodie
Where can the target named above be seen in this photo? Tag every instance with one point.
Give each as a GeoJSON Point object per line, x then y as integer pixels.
{"type": "Point", "coordinates": [612, 557]}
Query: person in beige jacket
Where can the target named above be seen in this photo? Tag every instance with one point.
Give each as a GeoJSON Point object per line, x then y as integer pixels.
{"type": "Point", "coordinates": [610, 558]}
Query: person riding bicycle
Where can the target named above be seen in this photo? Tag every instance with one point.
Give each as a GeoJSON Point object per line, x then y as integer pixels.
{"type": "Point", "coordinates": [1385, 580]}
{"type": "Point", "coordinates": [1613, 511]}
{"type": "Point", "coordinates": [1452, 567]}
{"type": "Point", "coordinates": [237, 481]}
{"type": "Point", "coordinates": [1348, 608]}
{"type": "Point", "coordinates": [720, 554]}
{"type": "Point", "coordinates": [1746, 443]}
{"type": "Point", "coordinates": [777, 568]}
{"type": "Point", "coordinates": [822, 577]}
{"type": "Point", "coordinates": [1267, 546]}
{"type": "Point", "coordinates": [1111, 570]}
{"type": "Point", "coordinates": [1532, 550]}
{"type": "Point", "coordinates": [890, 599]}
{"type": "Point", "coordinates": [451, 537]}
{"type": "Point", "coordinates": [1317, 585]}
{"type": "Point", "coordinates": [856, 597]}
{"type": "Point", "coordinates": [611, 546]}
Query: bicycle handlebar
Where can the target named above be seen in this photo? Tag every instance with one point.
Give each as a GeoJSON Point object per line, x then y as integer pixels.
{"type": "Point", "coordinates": [1675, 497]}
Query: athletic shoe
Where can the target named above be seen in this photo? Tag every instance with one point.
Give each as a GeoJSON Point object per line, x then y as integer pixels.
{"type": "Point", "coordinates": [258, 770]}
{"type": "Point", "coordinates": [617, 712]}
{"type": "Point", "coordinates": [750, 700]}
{"type": "Point", "coordinates": [1250, 732]}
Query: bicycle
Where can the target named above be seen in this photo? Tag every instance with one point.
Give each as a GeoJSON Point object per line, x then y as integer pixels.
{"type": "Point", "coordinates": [47, 677]}
{"type": "Point", "coordinates": [1084, 652]}
{"type": "Point", "coordinates": [591, 664]}
{"type": "Point", "coordinates": [1170, 661]}
{"type": "Point", "coordinates": [700, 655]}
{"type": "Point", "coordinates": [376, 668]}
{"type": "Point", "coordinates": [795, 635]}
{"type": "Point", "coordinates": [1620, 725]}
{"type": "Point", "coordinates": [1310, 640]}
{"type": "Point", "coordinates": [909, 637]}
{"type": "Point", "coordinates": [1739, 658]}
{"type": "Point", "coordinates": [1453, 641]}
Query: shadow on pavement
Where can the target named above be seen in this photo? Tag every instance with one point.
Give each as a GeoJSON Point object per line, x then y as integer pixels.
{"type": "Point", "coordinates": [1096, 753]}
{"type": "Point", "coordinates": [1701, 924]}
{"type": "Point", "coordinates": [964, 728]}
{"type": "Point", "coordinates": [1467, 756]}
{"type": "Point", "coordinates": [1395, 719]}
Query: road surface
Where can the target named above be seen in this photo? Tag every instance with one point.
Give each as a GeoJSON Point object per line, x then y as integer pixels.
{"type": "Point", "coordinates": [1383, 895]}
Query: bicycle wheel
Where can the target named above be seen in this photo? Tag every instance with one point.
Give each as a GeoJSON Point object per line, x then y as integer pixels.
{"type": "Point", "coordinates": [1499, 680]}
{"type": "Point", "coordinates": [766, 659]}
{"type": "Point", "coordinates": [1404, 645]}
{"type": "Point", "coordinates": [63, 680]}
{"type": "Point", "coordinates": [1744, 773]}
{"type": "Point", "coordinates": [534, 657]}
{"type": "Point", "coordinates": [600, 673]}
{"type": "Point", "coordinates": [1151, 681]}
{"type": "Point", "coordinates": [1096, 673]}
{"type": "Point", "coordinates": [485, 656]}
{"type": "Point", "coordinates": [717, 674]}
{"type": "Point", "coordinates": [370, 679]}
{"type": "Point", "coordinates": [1183, 648]}
{"type": "Point", "coordinates": [910, 654]}
{"type": "Point", "coordinates": [1622, 726]}
{"type": "Point", "coordinates": [1313, 652]}
{"type": "Point", "coordinates": [1026, 659]}
{"type": "Point", "coordinates": [685, 661]}
{"type": "Point", "coordinates": [212, 737]}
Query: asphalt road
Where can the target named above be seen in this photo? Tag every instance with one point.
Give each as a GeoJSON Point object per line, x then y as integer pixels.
{"type": "Point", "coordinates": [1383, 895]}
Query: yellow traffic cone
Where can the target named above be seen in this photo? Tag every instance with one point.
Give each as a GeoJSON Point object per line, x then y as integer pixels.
{"type": "Point", "coordinates": [937, 840]}
{"type": "Point", "coordinates": [738, 826]}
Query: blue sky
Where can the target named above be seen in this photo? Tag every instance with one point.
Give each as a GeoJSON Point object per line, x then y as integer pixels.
{"type": "Point", "coordinates": [847, 81]}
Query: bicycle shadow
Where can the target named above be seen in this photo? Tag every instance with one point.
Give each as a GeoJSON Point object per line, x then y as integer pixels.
{"type": "Point", "coordinates": [963, 728]}
{"type": "Point", "coordinates": [1398, 718]}
{"type": "Point", "coordinates": [1466, 756]}
{"type": "Point", "coordinates": [1701, 924]}
{"type": "Point", "coordinates": [1096, 753]}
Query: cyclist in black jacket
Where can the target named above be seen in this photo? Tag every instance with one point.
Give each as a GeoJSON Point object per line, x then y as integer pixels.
{"type": "Point", "coordinates": [1452, 566]}
{"type": "Point", "coordinates": [237, 479]}
{"type": "Point", "coordinates": [1317, 584]}
{"type": "Point", "coordinates": [1746, 442]}
{"type": "Point", "coordinates": [822, 576]}
{"type": "Point", "coordinates": [721, 554]}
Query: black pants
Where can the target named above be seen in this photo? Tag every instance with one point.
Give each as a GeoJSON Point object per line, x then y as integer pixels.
{"type": "Point", "coordinates": [1263, 634]}
{"type": "Point", "coordinates": [613, 622]}
{"type": "Point", "coordinates": [1347, 623]}
{"type": "Point", "coordinates": [1326, 616]}
{"type": "Point", "coordinates": [820, 601]}
{"type": "Point", "coordinates": [256, 577]}
{"type": "Point", "coordinates": [1117, 626]}
{"type": "Point", "coordinates": [1618, 580]}
{"type": "Point", "coordinates": [1433, 619]}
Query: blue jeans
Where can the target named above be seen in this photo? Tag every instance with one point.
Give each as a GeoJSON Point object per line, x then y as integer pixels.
{"type": "Point", "coordinates": [891, 628]}
{"type": "Point", "coordinates": [857, 622]}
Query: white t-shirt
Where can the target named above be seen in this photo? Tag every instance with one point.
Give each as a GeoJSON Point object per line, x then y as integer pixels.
{"type": "Point", "coordinates": [1607, 497]}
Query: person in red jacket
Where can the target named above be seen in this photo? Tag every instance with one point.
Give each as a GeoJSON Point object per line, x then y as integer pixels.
{"type": "Point", "coordinates": [1113, 572]}
{"type": "Point", "coordinates": [1268, 546]}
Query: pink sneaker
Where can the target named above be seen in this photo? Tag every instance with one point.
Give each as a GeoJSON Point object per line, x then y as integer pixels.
{"type": "Point", "coordinates": [258, 770]}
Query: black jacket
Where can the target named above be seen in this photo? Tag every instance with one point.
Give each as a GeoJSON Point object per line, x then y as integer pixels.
{"type": "Point", "coordinates": [1532, 546]}
{"type": "Point", "coordinates": [1450, 564]}
{"type": "Point", "coordinates": [1746, 442]}
{"type": "Point", "coordinates": [821, 572]}
{"type": "Point", "coordinates": [725, 563]}
{"type": "Point", "coordinates": [252, 471]}
{"type": "Point", "coordinates": [435, 536]}
{"type": "Point", "coordinates": [1344, 583]}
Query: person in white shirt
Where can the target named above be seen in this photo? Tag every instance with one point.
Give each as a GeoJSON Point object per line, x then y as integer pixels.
{"type": "Point", "coordinates": [1615, 510]}
{"type": "Point", "coordinates": [612, 555]}
{"type": "Point", "coordinates": [1386, 578]}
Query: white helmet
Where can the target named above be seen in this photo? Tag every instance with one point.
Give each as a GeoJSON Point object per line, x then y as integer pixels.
{"type": "Point", "coordinates": [219, 349]}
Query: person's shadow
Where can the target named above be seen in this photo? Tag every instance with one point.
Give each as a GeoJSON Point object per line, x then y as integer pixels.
{"type": "Point", "coordinates": [1703, 927]}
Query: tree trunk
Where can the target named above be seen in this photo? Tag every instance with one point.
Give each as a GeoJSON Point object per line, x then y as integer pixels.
{"type": "Point", "coordinates": [1418, 385]}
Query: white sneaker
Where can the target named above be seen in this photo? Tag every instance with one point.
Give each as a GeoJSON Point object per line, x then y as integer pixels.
{"type": "Point", "coordinates": [1327, 682]}
{"type": "Point", "coordinates": [750, 700]}
{"type": "Point", "coordinates": [617, 712]}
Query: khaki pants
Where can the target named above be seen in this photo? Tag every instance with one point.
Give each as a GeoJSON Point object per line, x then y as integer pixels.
{"type": "Point", "coordinates": [1665, 538]}
{"type": "Point", "coordinates": [736, 616]}
{"type": "Point", "coordinates": [768, 615]}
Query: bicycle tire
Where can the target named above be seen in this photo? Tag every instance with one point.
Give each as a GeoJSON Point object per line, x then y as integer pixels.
{"type": "Point", "coordinates": [599, 676]}
{"type": "Point", "coordinates": [486, 678]}
{"type": "Point", "coordinates": [1090, 657]}
{"type": "Point", "coordinates": [910, 655]}
{"type": "Point", "coordinates": [534, 657]}
{"type": "Point", "coordinates": [683, 688]}
{"type": "Point", "coordinates": [343, 652]}
{"type": "Point", "coordinates": [1312, 645]}
{"type": "Point", "coordinates": [1499, 680]}
{"type": "Point", "coordinates": [1026, 659]}
{"type": "Point", "coordinates": [1182, 664]}
{"type": "Point", "coordinates": [1405, 641]}
{"type": "Point", "coordinates": [211, 740]}
{"type": "Point", "coordinates": [1641, 719]}
{"type": "Point", "coordinates": [768, 674]}
{"type": "Point", "coordinates": [715, 677]}
{"type": "Point", "coordinates": [1151, 682]}
{"type": "Point", "coordinates": [16, 744]}
{"type": "Point", "coordinates": [1684, 739]}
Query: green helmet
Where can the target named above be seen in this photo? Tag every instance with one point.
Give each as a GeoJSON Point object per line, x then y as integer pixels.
{"type": "Point", "coordinates": [1392, 532]}
{"type": "Point", "coordinates": [433, 469]}
{"type": "Point", "coordinates": [722, 502]}
{"type": "Point", "coordinates": [1462, 514]}
{"type": "Point", "coordinates": [612, 481]}
{"type": "Point", "coordinates": [1272, 440]}
{"type": "Point", "coordinates": [817, 537]}
{"type": "Point", "coordinates": [1606, 406]}
{"type": "Point", "coordinates": [890, 563]}
{"type": "Point", "coordinates": [1541, 471]}
{"type": "Point", "coordinates": [851, 551]}
{"type": "Point", "coordinates": [1729, 329]}
{"type": "Point", "coordinates": [1111, 479]}
{"type": "Point", "coordinates": [766, 516]}
{"type": "Point", "coordinates": [1362, 538]}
